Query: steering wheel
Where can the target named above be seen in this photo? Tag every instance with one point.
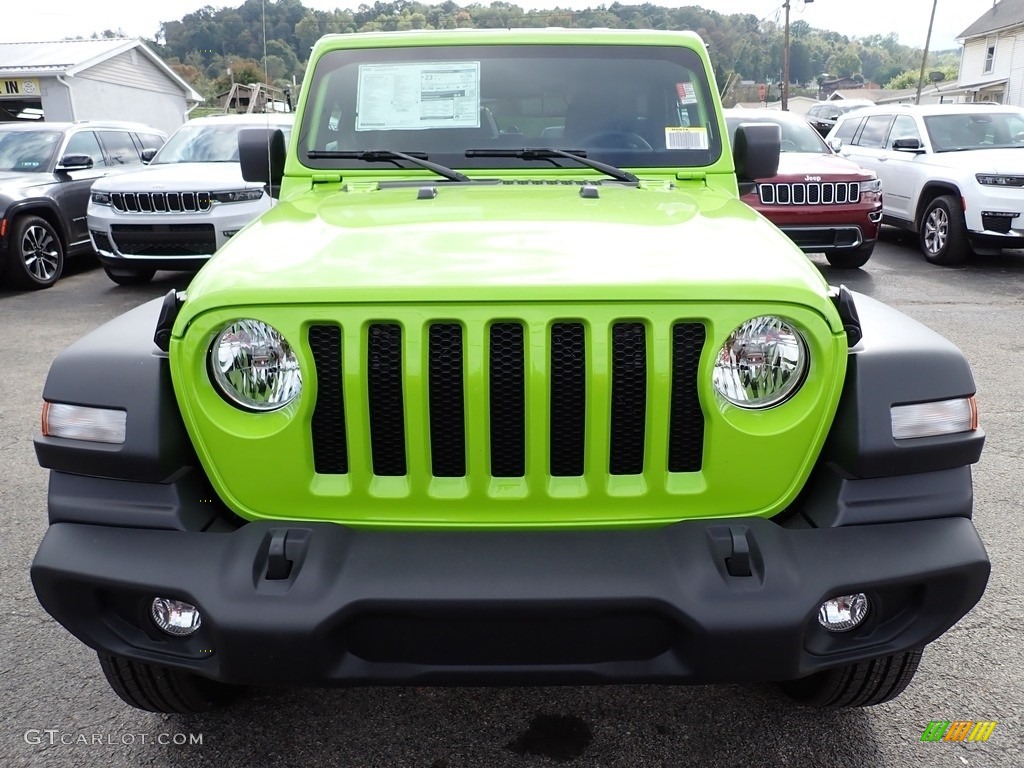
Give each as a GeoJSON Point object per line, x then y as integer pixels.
{"type": "Point", "coordinates": [787, 146]}
{"type": "Point", "coordinates": [617, 140]}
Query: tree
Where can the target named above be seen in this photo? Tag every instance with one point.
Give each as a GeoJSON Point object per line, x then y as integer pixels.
{"type": "Point", "coordinates": [307, 31]}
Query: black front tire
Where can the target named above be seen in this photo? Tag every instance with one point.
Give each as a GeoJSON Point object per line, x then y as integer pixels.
{"type": "Point", "coordinates": [943, 233]}
{"type": "Point", "coordinates": [854, 259]}
{"type": "Point", "coordinates": [863, 684]}
{"type": "Point", "coordinates": [130, 276]}
{"type": "Point", "coordinates": [35, 258]}
{"type": "Point", "coordinates": [160, 689]}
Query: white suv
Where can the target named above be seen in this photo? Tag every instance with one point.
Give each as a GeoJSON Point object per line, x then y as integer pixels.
{"type": "Point", "coordinates": [953, 173]}
{"type": "Point", "coordinates": [177, 211]}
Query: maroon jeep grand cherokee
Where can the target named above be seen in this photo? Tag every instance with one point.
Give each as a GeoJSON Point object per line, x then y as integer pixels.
{"type": "Point", "coordinates": [825, 203]}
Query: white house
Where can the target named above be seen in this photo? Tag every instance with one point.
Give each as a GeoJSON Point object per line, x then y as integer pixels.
{"type": "Point", "coordinates": [106, 79]}
{"type": "Point", "coordinates": [992, 61]}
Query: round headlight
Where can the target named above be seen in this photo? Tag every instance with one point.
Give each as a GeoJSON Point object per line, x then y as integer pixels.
{"type": "Point", "coordinates": [254, 367]}
{"type": "Point", "coordinates": [761, 364]}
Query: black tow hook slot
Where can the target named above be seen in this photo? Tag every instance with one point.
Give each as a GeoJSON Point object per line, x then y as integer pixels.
{"type": "Point", "coordinates": [738, 564]}
{"type": "Point", "coordinates": [279, 567]}
{"type": "Point", "coordinates": [281, 555]}
{"type": "Point", "coordinates": [734, 548]}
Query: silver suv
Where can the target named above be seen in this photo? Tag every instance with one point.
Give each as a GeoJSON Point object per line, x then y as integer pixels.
{"type": "Point", "coordinates": [175, 213]}
{"type": "Point", "coordinates": [953, 173]}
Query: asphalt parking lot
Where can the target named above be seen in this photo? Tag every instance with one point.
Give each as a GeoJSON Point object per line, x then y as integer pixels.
{"type": "Point", "coordinates": [58, 709]}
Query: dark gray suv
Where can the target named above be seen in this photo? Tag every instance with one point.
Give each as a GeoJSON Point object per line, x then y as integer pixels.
{"type": "Point", "coordinates": [824, 115]}
{"type": "Point", "coordinates": [46, 173]}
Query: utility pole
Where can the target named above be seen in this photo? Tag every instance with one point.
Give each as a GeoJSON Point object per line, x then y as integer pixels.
{"type": "Point", "coordinates": [924, 56]}
{"type": "Point", "coordinates": [785, 57]}
{"type": "Point", "coordinates": [785, 62]}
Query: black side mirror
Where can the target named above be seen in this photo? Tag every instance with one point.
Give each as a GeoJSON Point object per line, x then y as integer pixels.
{"type": "Point", "coordinates": [908, 144]}
{"type": "Point", "coordinates": [74, 163]}
{"type": "Point", "coordinates": [147, 154]}
{"type": "Point", "coordinates": [755, 151]}
{"type": "Point", "coordinates": [261, 153]}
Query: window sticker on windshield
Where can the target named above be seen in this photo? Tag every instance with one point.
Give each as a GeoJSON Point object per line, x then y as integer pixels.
{"type": "Point", "coordinates": [418, 96]}
{"type": "Point", "coordinates": [686, 138]}
{"type": "Point", "coordinates": [687, 93]}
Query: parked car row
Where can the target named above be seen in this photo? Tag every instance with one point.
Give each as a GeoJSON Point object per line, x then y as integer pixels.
{"type": "Point", "coordinates": [952, 173]}
{"type": "Point", "coordinates": [948, 172]}
{"type": "Point", "coordinates": [137, 199]}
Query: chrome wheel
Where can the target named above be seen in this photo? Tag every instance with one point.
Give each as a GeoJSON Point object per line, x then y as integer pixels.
{"type": "Point", "coordinates": [35, 259]}
{"type": "Point", "coordinates": [936, 230]}
{"type": "Point", "coordinates": [41, 253]}
{"type": "Point", "coordinates": [943, 232]}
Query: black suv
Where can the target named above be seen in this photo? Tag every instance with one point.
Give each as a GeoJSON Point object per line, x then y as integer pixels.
{"type": "Point", "coordinates": [46, 172]}
{"type": "Point", "coordinates": [824, 115]}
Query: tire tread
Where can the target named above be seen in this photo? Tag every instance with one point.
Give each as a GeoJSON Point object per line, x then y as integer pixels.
{"type": "Point", "coordinates": [862, 684]}
{"type": "Point", "coordinates": [160, 689]}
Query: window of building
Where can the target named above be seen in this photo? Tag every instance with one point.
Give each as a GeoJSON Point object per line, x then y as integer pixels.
{"type": "Point", "coordinates": [990, 54]}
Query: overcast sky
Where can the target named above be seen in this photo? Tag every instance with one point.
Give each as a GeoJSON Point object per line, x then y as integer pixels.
{"type": "Point", "coordinates": [36, 20]}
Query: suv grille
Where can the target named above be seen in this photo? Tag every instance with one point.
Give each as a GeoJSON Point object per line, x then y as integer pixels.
{"type": "Point", "coordinates": [618, 363]}
{"type": "Point", "coordinates": [810, 193]}
{"type": "Point", "coordinates": [161, 202]}
{"type": "Point", "coordinates": [164, 239]}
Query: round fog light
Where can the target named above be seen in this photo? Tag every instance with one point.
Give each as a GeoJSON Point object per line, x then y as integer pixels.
{"type": "Point", "coordinates": [843, 613]}
{"type": "Point", "coordinates": [175, 617]}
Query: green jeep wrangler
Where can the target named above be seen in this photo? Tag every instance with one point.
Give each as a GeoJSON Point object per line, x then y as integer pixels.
{"type": "Point", "coordinates": [510, 388]}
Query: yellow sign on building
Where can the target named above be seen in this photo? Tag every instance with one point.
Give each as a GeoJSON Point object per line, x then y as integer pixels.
{"type": "Point", "coordinates": [19, 88]}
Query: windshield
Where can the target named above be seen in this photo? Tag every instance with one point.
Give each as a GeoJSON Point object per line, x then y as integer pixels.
{"type": "Point", "coordinates": [975, 130]}
{"type": "Point", "coordinates": [637, 106]}
{"type": "Point", "coordinates": [27, 151]}
{"type": "Point", "coordinates": [205, 143]}
{"type": "Point", "coordinates": [797, 133]}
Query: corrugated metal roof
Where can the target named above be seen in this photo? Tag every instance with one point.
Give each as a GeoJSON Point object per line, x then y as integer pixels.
{"type": "Point", "coordinates": [1005, 13]}
{"type": "Point", "coordinates": [73, 56]}
{"type": "Point", "coordinates": [61, 55]}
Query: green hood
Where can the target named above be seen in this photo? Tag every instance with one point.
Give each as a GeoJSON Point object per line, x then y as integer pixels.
{"type": "Point", "coordinates": [508, 242]}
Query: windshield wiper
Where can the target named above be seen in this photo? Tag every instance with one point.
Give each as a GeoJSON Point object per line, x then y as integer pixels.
{"type": "Point", "coordinates": [549, 153]}
{"type": "Point", "coordinates": [387, 156]}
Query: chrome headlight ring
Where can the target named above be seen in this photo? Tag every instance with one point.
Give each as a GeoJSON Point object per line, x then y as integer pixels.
{"type": "Point", "coordinates": [762, 363]}
{"type": "Point", "coordinates": [253, 366]}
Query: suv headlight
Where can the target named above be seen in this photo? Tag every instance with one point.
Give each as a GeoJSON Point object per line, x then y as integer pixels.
{"type": "Point", "coordinates": [871, 187]}
{"type": "Point", "coordinates": [999, 180]}
{"type": "Point", "coordinates": [254, 367]}
{"type": "Point", "coordinates": [101, 198]}
{"type": "Point", "coordinates": [237, 195]}
{"type": "Point", "coordinates": [761, 364]}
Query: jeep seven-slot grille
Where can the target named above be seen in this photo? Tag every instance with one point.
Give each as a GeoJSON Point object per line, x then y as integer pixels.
{"type": "Point", "coordinates": [810, 193]}
{"type": "Point", "coordinates": [161, 202]}
{"type": "Point", "coordinates": [574, 358]}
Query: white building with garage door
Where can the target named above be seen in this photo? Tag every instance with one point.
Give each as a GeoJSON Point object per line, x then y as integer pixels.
{"type": "Point", "coordinates": [107, 79]}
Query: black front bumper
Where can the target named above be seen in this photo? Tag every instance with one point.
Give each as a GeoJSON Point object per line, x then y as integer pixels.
{"type": "Point", "coordinates": [417, 607]}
